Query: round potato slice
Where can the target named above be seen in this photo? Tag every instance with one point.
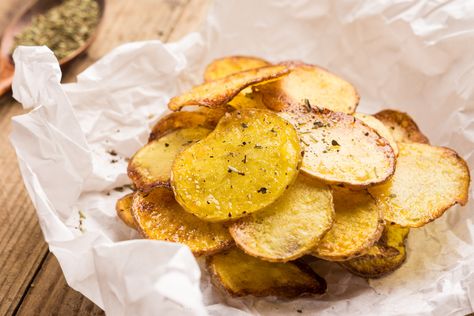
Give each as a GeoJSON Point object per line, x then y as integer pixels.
{"type": "Point", "coordinates": [223, 67]}
{"type": "Point", "coordinates": [124, 210]}
{"type": "Point", "coordinates": [151, 164]}
{"type": "Point", "coordinates": [243, 166]}
{"type": "Point", "coordinates": [179, 120]}
{"type": "Point", "coordinates": [291, 226]}
{"type": "Point", "coordinates": [159, 217]}
{"type": "Point", "coordinates": [314, 84]}
{"type": "Point", "coordinates": [240, 274]}
{"type": "Point", "coordinates": [386, 256]}
{"type": "Point", "coordinates": [221, 91]}
{"type": "Point", "coordinates": [402, 127]}
{"type": "Point", "coordinates": [358, 225]}
{"type": "Point", "coordinates": [380, 128]}
{"type": "Point", "coordinates": [340, 149]}
{"type": "Point", "coordinates": [428, 180]}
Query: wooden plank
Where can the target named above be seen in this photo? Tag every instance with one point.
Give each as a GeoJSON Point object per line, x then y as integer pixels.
{"type": "Point", "coordinates": [49, 294]}
{"type": "Point", "coordinates": [125, 21]}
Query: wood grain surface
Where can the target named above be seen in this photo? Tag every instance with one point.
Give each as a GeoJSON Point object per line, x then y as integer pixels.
{"type": "Point", "coordinates": [31, 281]}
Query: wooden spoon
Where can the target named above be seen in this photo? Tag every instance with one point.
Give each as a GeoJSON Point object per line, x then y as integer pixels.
{"type": "Point", "coordinates": [16, 26]}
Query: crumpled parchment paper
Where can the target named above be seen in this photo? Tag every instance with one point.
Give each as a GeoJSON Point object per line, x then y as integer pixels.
{"type": "Point", "coordinates": [415, 56]}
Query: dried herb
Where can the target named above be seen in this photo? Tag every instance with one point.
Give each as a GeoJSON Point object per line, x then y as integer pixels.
{"type": "Point", "coordinates": [231, 169]}
{"type": "Point", "coordinates": [262, 190]}
{"type": "Point", "coordinates": [307, 104]}
{"type": "Point", "coordinates": [334, 143]}
{"type": "Point", "coordinates": [63, 28]}
{"type": "Point", "coordinates": [244, 125]}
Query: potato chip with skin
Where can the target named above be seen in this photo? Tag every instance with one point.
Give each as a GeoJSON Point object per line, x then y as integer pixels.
{"type": "Point", "coordinates": [291, 226]}
{"type": "Point", "coordinates": [244, 165]}
{"type": "Point", "coordinates": [179, 120]}
{"type": "Point", "coordinates": [402, 126]}
{"type": "Point", "coordinates": [380, 128]}
{"type": "Point", "coordinates": [151, 165]}
{"type": "Point", "coordinates": [427, 181]}
{"type": "Point", "coordinates": [158, 216]}
{"type": "Point", "coordinates": [221, 91]}
{"type": "Point", "coordinates": [357, 226]}
{"type": "Point", "coordinates": [312, 83]}
{"type": "Point", "coordinates": [340, 149]}
{"type": "Point", "coordinates": [386, 256]}
{"type": "Point", "coordinates": [123, 207]}
{"type": "Point", "coordinates": [223, 67]}
{"type": "Point", "coordinates": [240, 274]}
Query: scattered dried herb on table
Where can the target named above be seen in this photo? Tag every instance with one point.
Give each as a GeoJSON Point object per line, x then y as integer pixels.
{"type": "Point", "coordinates": [63, 28]}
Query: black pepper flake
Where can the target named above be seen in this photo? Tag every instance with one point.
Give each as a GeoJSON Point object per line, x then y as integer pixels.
{"type": "Point", "coordinates": [230, 215]}
{"type": "Point", "coordinates": [307, 104]}
{"type": "Point", "coordinates": [208, 202]}
{"type": "Point", "coordinates": [366, 133]}
{"type": "Point", "coordinates": [244, 125]}
{"type": "Point", "coordinates": [114, 161]}
{"type": "Point", "coordinates": [299, 311]}
{"type": "Point", "coordinates": [317, 124]}
{"type": "Point", "coordinates": [112, 152]}
{"type": "Point", "coordinates": [245, 159]}
{"type": "Point", "coordinates": [334, 143]}
{"type": "Point", "coordinates": [211, 156]}
{"type": "Point", "coordinates": [244, 212]}
{"type": "Point", "coordinates": [244, 143]}
{"type": "Point", "coordinates": [167, 145]}
{"type": "Point", "coordinates": [273, 130]}
{"type": "Point", "coordinates": [262, 190]}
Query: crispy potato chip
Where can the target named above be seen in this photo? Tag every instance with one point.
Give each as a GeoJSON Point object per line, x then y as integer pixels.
{"type": "Point", "coordinates": [223, 67]}
{"type": "Point", "coordinates": [307, 82]}
{"type": "Point", "coordinates": [428, 180]}
{"type": "Point", "coordinates": [158, 216]}
{"type": "Point", "coordinates": [241, 274]}
{"type": "Point", "coordinates": [291, 226]}
{"type": "Point", "coordinates": [151, 164]}
{"type": "Point", "coordinates": [402, 127]}
{"type": "Point", "coordinates": [380, 128]}
{"type": "Point", "coordinates": [357, 227]}
{"type": "Point", "coordinates": [246, 99]}
{"type": "Point", "coordinates": [221, 91]}
{"type": "Point", "coordinates": [179, 120]}
{"type": "Point", "coordinates": [241, 167]}
{"type": "Point", "coordinates": [340, 149]}
{"type": "Point", "coordinates": [124, 210]}
{"type": "Point", "coordinates": [386, 256]}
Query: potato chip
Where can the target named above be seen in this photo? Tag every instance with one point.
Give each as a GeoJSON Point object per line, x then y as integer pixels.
{"type": "Point", "coordinates": [124, 210]}
{"type": "Point", "coordinates": [358, 225]}
{"type": "Point", "coordinates": [221, 91]}
{"type": "Point", "coordinates": [223, 67]}
{"type": "Point", "coordinates": [386, 256]}
{"type": "Point", "coordinates": [427, 181]}
{"type": "Point", "coordinates": [291, 226]}
{"type": "Point", "coordinates": [246, 99]}
{"type": "Point", "coordinates": [240, 274]}
{"type": "Point", "coordinates": [179, 120]}
{"type": "Point", "coordinates": [241, 167]}
{"type": "Point", "coordinates": [402, 127]}
{"type": "Point", "coordinates": [340, 149]}
{"type": "Point", "coordinates": [151, 164]}
{"type": "Point", "coordinates": [380, 128]}
{"type": "Point", "coordinates": [307, 82]}
{"type": "Point", "coordinates": [159, 216]}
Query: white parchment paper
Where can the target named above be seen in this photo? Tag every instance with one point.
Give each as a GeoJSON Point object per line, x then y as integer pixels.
{"type": "Point", "coordinates": [415, 56]}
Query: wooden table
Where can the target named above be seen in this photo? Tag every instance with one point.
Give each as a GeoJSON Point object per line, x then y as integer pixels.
{"type": "Point", "coordinates": [31, 281]}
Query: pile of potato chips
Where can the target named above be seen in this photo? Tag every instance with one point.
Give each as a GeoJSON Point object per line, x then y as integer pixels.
{"type": "Point", "coordinates": [263, 164]}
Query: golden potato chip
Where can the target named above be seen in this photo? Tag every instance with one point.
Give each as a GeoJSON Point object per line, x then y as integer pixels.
{"type": "Point", "coordinates": [151, 164]}
{"type": "Point", "coordinates": [289, 227]}
{"type": "Point", "coordinates": [179, 120]}
{"type": "Point", "coordinates": [158, 216]}
{"type": "Point", "coordinates": [358, 225]}
{"type": "Point", "coordinates": [221, 91]}
{"type": "Point", "coordinates": [307, 82]}
{"type": "Point", "coordinates": [386, 256]}
{"type": "Point", "coordinates": [223, 67]}
{"type": "Point", "coordinates": [427, 181]}
{"type": "Point", "coordinates": [380, 128]}
{"type": "Point", "coordinates": [402, 127]}
{"type": "Point", "coordinates": [242, 166]}
{"type": "Point", "coordinates": [240, 274]}
{"type": "Point", "coordinates": [340, 149]}
{"type": "Point", "coordinates": [246, 99]}
{"type": "Point", "coordinates": [124, 210]}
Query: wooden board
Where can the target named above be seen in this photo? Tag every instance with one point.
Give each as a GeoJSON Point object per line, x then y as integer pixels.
{"type": "Point", "coordinates": [31, 281]}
